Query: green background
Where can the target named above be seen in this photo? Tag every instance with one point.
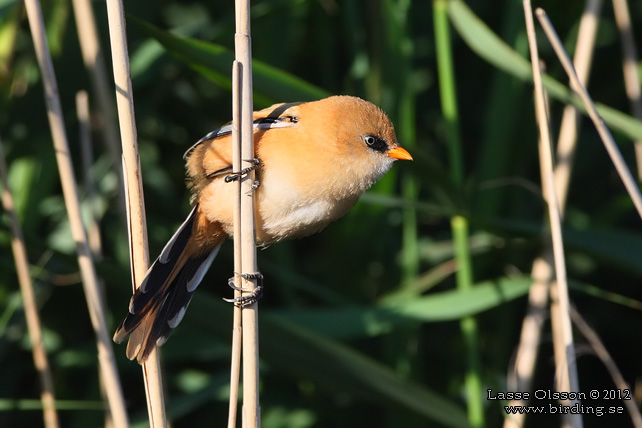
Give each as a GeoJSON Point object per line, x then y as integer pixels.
{"type": "Point", "coordinates": [359, 324]}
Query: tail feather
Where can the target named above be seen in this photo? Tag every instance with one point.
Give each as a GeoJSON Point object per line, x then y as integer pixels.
{"type": "Point", "coordinates": [173, 309]}
{"type": "Point", "coordinates": [159, 304]}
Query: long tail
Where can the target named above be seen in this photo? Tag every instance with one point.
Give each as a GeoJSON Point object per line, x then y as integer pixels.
{"type": "Point", "coordinates": [159, 304]}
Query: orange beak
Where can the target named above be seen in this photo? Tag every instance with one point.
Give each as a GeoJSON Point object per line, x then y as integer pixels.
{"type": "Point", "coordinates": [399, 153]}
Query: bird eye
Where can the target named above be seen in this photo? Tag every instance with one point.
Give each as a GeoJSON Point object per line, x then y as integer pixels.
{"type": "Point", "coordinates": [375, 143]}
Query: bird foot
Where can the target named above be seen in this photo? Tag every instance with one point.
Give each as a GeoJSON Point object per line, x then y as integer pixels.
{"type": "Point", "coordinates": [236, 175]}
{"type": "Point", "coordinates": [254, 295]}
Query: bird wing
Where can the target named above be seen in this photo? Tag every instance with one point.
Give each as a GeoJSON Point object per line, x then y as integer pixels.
{"type": "Point", "coordinates": [211, 156]}
{"type": "Point", "coordinates": [159, 304]}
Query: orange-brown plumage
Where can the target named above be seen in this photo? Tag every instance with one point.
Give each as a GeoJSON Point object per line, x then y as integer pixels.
{"type": "Point", "coordinates": [316, 159]}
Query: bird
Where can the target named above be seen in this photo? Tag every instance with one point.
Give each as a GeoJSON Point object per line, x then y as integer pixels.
{"type": "Point", "coordinates": [313, 161]}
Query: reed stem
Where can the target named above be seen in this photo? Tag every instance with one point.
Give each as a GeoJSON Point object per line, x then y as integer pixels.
{"type": "Point", "coordinates": [243, 133]}
{"type": "Point", "coordinates": [565, 360]}
{"type": "Point", "coordinates": [41, 363]}
{"type": "Point", "coordinates": [542, 270]}
{"type": "Point", "coordinates": [630, 69]}
{"type": "Point", "coordinates": [107, 362]}
{"type": "Point", "coordinates": [602, 129]}
{"type": "Point", "coordinates": [134, 198]}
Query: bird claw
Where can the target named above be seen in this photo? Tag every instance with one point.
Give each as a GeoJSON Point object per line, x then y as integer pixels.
{"type": "Point", "coordinates": [236, 175]}
{"type": "Point", "coordinates": [255, 186]}
{"type": "Point", "coordinates": [254, 295]}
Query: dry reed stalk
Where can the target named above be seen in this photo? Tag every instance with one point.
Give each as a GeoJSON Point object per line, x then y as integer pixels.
{"type": "Point", "coordinates": [93, 228]}
{"type": "Point", "coordinates": [629, 67]}
{"type": "Point", "coordinates": [87, 156]}
{"type": "Point", "coordinates": [94, 62]}
{"type": "Point", "coordinates": [558, 319]}
{"type": "Point", "coordinates": [600, 350]}
{"type": "Point", "coordinates": [243, 126]}
{"type": "Point", "coordinates": [235, 366]}
{"type": "Point", "coordinates": [237, 323]}
{"type": "Point", "coordinates": [567, 141]}
{"type": "Point", "coordinates": [605, 134]}
{"type": "Point", "coordinates": [137, 226]}
{"type": "Point", "coordinates": [18, 246]}
{"type": "Point", "coordinates": [542, 270]}
{"type": "Point", "coordinates": [106, 359]}
{"type": "Point", "coordinates": [566, 377]}
{"type": "Point", "coordinates": [530, 336]}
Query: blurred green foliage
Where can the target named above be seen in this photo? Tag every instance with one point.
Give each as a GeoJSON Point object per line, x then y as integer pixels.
{"type": "Point", "coordinates": [359, 323]}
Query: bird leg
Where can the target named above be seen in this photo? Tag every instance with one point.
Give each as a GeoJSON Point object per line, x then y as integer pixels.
{"type": "Point", "coordinates": [236, 175]}
{"type": "Point", "coordinates": [254, 295]}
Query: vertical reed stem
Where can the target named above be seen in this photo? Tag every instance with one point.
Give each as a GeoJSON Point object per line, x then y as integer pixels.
{"type": "Point", "coordinates": [18, 246]}
{"type": "Point", "coordinates": [567, 141]}
{"type": "Point", "coordinates": [630, 69]}
{"type": "Point", "coordinates": [93, 228]}
{"type": "Point", "coordinates": [134, 198]}
{"type": "Point", "coordinates": [94, 62]}
{"type": "Point", "coordinates": [237, 323]}
{"type": "Point", "coordinates": [542, 270]}
{"type": "Point", "coordinates": [244, 128]}
{"type": "Point", "coordinates": [567, 378]}
{"type": "Point", "coordinates": [87, 155]}
{"type": "Point", "coordinates": [106, 359]}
